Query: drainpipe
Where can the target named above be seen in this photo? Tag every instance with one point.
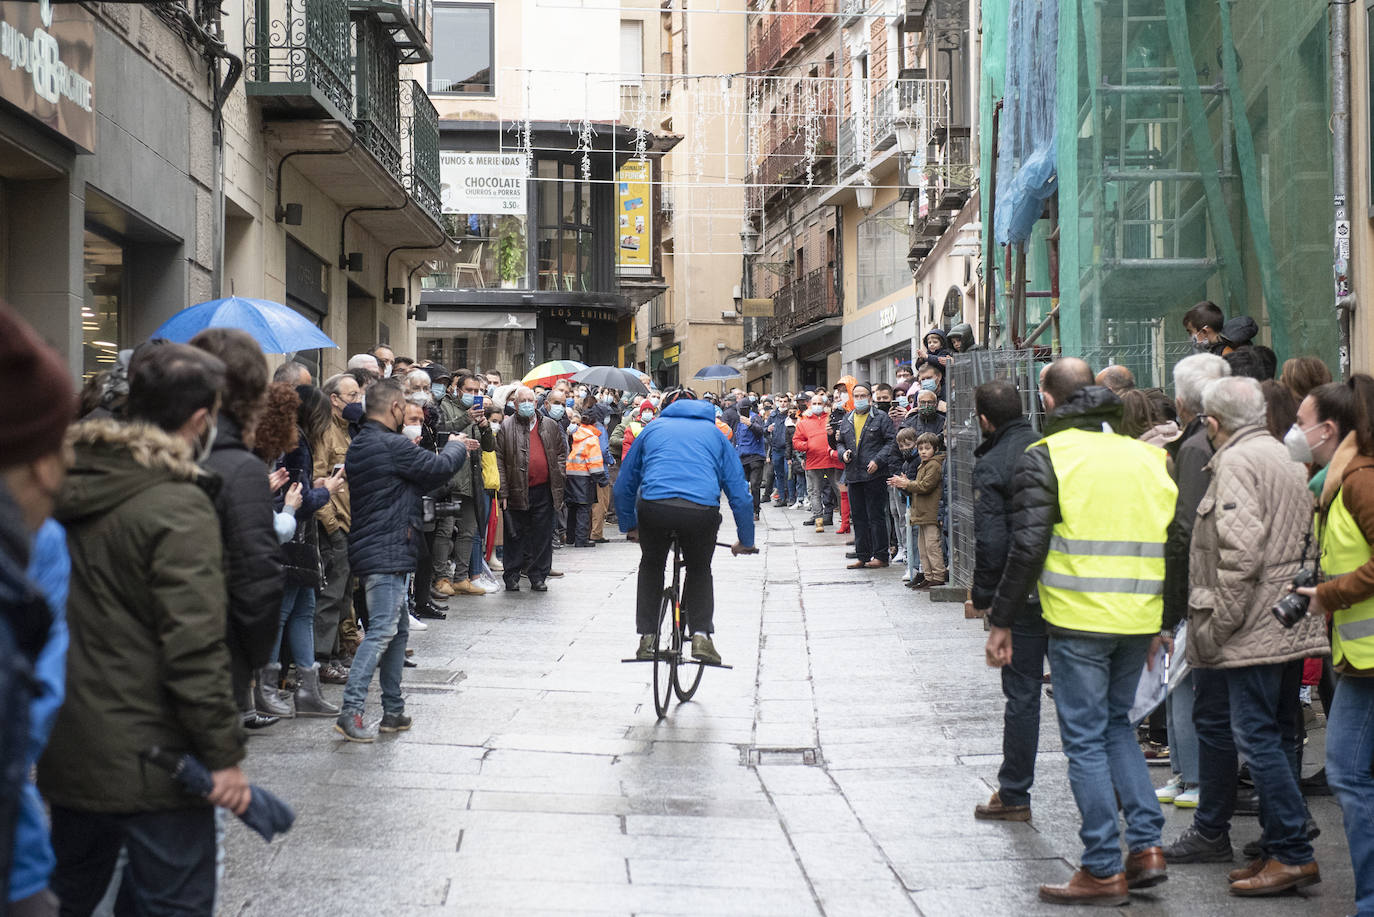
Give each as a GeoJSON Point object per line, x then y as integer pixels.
{"type": "Point", "coordinates": [1340, 156]}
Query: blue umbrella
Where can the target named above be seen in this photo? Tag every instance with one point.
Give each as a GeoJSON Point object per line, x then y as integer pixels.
{"type": "Point", "coordinates": [266, 814]}
{"type": "Point", "coordinates": [717, 371]}
{"type": "Point", "coordinates": [277, 328]}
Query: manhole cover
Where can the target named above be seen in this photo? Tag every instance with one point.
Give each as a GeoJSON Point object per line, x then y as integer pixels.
{"type": "Point", "coordinates": [754, 756]}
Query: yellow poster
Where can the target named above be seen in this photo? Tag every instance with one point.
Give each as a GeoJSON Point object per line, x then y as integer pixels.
{"type": "Point", "coordinates": [634, 206]}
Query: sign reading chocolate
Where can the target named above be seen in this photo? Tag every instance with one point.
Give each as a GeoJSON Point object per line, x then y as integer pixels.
{"type": "Point", "coordinates": [47, 66]}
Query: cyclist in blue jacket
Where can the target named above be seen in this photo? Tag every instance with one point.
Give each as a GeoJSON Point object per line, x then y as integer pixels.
{"type": "Point", "coordinates": [671, 481]}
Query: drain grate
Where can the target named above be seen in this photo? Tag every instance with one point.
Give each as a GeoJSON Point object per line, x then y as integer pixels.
{"type": "Point", "coordinates": [756, 756]}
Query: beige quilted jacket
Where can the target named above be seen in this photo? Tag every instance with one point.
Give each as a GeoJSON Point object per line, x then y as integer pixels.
{"type": "Point", "coordinates": [1247, 544]}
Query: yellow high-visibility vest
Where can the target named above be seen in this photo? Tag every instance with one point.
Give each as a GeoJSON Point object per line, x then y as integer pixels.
{"type": "Point", "coordinates": [1343, 550]}
{"type": "Point", "coordinates": [1104, 572]}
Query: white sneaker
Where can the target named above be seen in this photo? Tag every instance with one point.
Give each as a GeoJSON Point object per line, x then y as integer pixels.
{"type": "Point", "coordinates": [1188, 799]}
{"type": "Point", "coordinates": [906, 577]}
{"type": "Point", "coordinates": [1171, 790]}
{"type": "Point", "coordinates": [496, 564]}
{"type": "Point", "coordinates": [489, 583]}
{"type": "Point", "coordinates": [417, 624]}
{"type": "Point", "coordinates": [900, 559]}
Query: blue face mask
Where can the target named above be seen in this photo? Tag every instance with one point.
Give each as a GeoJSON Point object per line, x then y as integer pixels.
{"type": "Point", "coordinates": [719, 412]}
{"type": "Point", "coordinates": [556, 411]}
{"type": "Point", "coordinates": [438, 388]}
{"type": "Point", "coordinates": [468, 400]}
{"type": "Point", "coordinates": [526, 409]}
{"type": "Point", "coordinates": [861, 405]}
{"type": "Point", "coordinates": [929, 385]}
{"type": "Point", "coordinates": [902, 401]}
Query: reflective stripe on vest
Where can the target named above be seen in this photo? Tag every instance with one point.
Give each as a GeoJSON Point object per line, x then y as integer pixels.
{"type": "Point", "coordinates": [1104, 572]}
{"type": "Point", "coordinates": [584, 458]}
{"type": "Point", "coordinates": [1344, 550]}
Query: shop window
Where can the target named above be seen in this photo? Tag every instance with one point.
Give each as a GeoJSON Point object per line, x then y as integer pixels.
{"type": "Point", "coordinates": [102, 310]}
{"type": "Point", "coordinates": [565, 251]}
{"type": "Point", "coordinates": [464, 49]}
{"type": "Point", "coordinates": [491, 253]}
{"type": "Point", "coordinates": [882, 254]}
{"type": "Point", "coordinates": [504, 350]}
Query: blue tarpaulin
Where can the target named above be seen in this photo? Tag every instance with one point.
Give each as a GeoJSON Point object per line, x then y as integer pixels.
{"type": "Point", "coordinates": [1027, 150]}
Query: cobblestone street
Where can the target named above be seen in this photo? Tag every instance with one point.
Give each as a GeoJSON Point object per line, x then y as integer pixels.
{"type": "Point", "coordinates": [536, 779]}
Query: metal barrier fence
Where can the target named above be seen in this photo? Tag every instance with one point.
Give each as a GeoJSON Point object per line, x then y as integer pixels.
{"type": "Point", "coordinates": [1151, 363]}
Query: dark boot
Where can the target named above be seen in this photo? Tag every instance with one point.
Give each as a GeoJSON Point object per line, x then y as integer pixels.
{"type": "Point", "coordinates": [309, 700]}
{"type": "Point", "coordinates": [251, 718]}
{"type": "Point", "coordinates": [267, 696]}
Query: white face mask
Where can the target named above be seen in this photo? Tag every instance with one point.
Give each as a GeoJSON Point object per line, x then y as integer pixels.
{"type": "Point", "coordinates": [1299, 449]}
{"type": "Point", "coordinates": [207, 445]}
{"type": "Point", "coordinates": [411, 431]}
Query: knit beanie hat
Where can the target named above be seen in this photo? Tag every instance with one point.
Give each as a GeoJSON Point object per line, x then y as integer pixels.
{"type": "Point", "coordinates": [39, 399]}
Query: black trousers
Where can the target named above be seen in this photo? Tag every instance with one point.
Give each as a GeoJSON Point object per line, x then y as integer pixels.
{"type": "Point", "coordinates": [1021, 686]}
{"type": "Point", "coordinates": [580, 522]}
{"type": "Point", "coordinates": [529, 538]}
{"type": "Point", "coordinates": [868, 513]}
{"type": "Point", "coordinates": [171, 861]}
{"type": "Point", "coordinates": [424, 570]}
{"type": "Point", "coordinates": [696, 527]}
{"type": "Point", "coordinates": [753, 471]}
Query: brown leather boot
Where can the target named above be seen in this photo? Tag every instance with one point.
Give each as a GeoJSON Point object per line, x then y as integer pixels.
{"type": "Point", "coordinates": [1085, 888]}
{"type": "Point", "coordinates": [1274, 878]}
{"type": "Point", "coordinates": [1249, 870]}
{"type": "Point", "coordinates": [1146, 868]}
{"type": "Point", "coordinates": [995, 810]}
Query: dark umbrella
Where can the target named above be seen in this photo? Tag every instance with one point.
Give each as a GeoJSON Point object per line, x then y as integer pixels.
{"type": "Point", "coordinates": [608, 377]}
{"type": "Point", "coordinates": [266, 814]}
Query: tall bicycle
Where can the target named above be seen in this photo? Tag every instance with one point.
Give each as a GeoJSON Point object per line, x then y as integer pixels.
{"type": "Point", "coordinates": [669, 661]}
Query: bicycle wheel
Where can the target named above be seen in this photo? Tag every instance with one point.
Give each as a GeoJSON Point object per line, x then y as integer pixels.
{"type": "Point", "coordinates": [681, 687]}
{"type": "Point", "coordinates": [664, 655]}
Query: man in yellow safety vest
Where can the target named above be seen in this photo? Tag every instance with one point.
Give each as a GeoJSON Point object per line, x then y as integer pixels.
{"type": "Point", "coordinates": [1090, 513]}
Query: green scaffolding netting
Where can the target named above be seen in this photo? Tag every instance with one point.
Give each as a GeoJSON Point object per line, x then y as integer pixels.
{"type": "Point", "coordinates": [1193, 162]}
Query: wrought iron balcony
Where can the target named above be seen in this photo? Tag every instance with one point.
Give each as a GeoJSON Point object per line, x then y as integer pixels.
{"type": "Point", "coordinates": [872, 127]}
{"type": "Point", "coordinates": [299, 57]}
{"type": "Point", "coordinates": [777, 36]}
{"type": "Point", "coordinates": [801, 302]}
{"type": "Point", "coordinates": [787, 163]}
{"type": "Point", "coordinates": [377, 100]}
{"type": "Point", "coordinates": [420, 146]}
{"type": "Point", "coordinates": [661, 315]}
{"type": "Point", "coordinates": [410, 24]}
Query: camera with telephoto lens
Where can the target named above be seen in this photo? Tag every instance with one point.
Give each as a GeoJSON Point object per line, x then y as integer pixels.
{"type": "Point", "coordinates": [1292, 608]}
{"type": "Point", "coordinates": [431, 509]}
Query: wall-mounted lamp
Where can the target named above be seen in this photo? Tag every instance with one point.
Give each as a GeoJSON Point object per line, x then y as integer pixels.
{"type": "Point", "coordinates": [863, 195]}
{"type": "Point", "coordinates": [908, 135]}
{"type": "Point", "coordinates": [290, 214]}
{"type": "Point", "coordinates": [353, 261]}
{"type": "Point", "coordinates": [419, 311]}
{"type": "Point", "coordinates": [395, 295]}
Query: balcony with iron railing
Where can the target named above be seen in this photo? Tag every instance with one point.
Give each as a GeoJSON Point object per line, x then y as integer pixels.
{"type": "Point", "coordinates": [420, 147]}
{"type": "Point", "coordinates": [410, 24]}
{"type": "Point", "coordinates": [298, 58]}
{"type": "Point", "coordinates": [377, 92]}
{"type": "Point", "coordinates": [787, 163]}
{"type": "Point", "coordinates": [796, 304]}
{"type": "Point", "coordinates": [872, 128]}
{"type": "Point", "coordinates": [783, 31]}
{"type": "Point", "coordinates": [661, 314]}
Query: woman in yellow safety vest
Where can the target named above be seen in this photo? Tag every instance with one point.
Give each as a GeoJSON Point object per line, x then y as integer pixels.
{"type": "Point", "coordinates": [1335, 430]}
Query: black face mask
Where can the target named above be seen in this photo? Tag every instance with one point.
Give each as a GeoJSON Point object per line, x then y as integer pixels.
{"type": "Point", "coordinates": [883, 406]}
{"type": "Point", "coordinates": [510, 410]}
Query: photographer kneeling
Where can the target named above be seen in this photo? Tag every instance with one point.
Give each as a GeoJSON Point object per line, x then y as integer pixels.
{"type": "Point", "coordinates": [1249, 541]}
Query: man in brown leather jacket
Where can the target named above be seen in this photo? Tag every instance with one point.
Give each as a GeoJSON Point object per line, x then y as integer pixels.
{"type": "Point", "coordinates": [532, 451]}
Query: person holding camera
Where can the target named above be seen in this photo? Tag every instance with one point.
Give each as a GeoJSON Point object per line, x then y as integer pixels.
{"type": "Point", "coordinates": [1335, 432]}
{"type": "Point", "coordinates": [389, 473]}
{"type": "Point", "coordinates": [461, 413]}
{"type": "Point", "coordinates": [1250, 539]}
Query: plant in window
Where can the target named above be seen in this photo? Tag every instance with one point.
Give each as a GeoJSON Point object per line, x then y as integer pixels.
{"type": "Point", "coordinates": [510, 253]}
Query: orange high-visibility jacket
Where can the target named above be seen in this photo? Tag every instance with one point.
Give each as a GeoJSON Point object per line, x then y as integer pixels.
{"type": "Point", "coordinates": [585, 458]}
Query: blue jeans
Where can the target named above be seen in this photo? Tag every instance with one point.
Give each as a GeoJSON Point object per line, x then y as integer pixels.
{"type": "Point", "coordinates": [297, 626]}
{"type": "Point", "coordinates": [780, 480]}
{"type": "Point", "coordinates": [1349, 751]}
{"type": "Point", "coordinates": [1021, 719]}
{"type": "Point", "coordinates": [1182, 735]}
{"type": "Point", "coordinates": [384, 646]}
{"type": "Point", "coordinates": [1094, 686]}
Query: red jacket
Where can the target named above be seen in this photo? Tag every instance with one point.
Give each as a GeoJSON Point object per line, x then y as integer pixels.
{"type": "Point", "coordinates": [810, 439]}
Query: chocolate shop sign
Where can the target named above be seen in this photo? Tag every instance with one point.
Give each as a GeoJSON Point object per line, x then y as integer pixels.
{"type": "Point", "coordinates": [47, 64]}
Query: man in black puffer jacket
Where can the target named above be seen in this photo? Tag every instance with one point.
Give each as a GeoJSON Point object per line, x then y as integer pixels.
{"type": "Point", "coordinates": [252, 566]}
{"type": "Point", "coordinates": [1006, 434]}
{"type": "Point", "coordinates": [387, 475]}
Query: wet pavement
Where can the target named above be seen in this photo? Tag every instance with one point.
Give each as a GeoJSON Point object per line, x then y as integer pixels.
{"type": "Point", "coordinates": [537, 780]}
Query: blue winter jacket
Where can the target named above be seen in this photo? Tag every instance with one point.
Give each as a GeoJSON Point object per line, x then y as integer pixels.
{"type": "Point", "coordinates": [750, 438]}
{"type": "Point", "coordinates": [387, 474]}
{"type": "Point", "coordinates": [683, 455]}
{"type": "Point", "coordinates": [779, 441]}
{"type": "Point", "coordinates": [50, 569]}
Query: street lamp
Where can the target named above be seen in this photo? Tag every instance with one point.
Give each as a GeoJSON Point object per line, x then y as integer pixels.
{"type": "Point", "coordinates": [863, 194]}
{"type": "Point", "coordinates": [907, 124]}
{"type": "Point", "coordinates": [748, 237]}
